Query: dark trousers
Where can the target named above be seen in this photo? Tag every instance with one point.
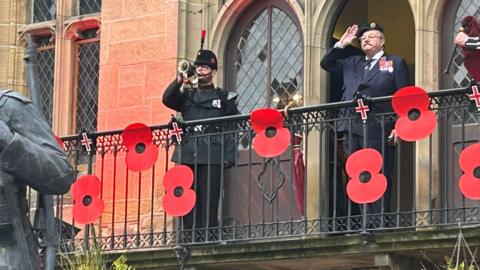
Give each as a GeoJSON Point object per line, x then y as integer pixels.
{"type": "Point", "coordinates": [207, 188]}
{"type": "Point", "coordinates": [353, 143]}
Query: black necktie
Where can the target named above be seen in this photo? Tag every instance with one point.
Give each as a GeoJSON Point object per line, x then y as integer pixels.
{"type": "Point", "coordinates": [366, 68]}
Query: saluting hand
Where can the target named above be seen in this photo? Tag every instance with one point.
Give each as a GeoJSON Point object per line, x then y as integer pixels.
{"type": "Point", "coordinates": [348, 36]}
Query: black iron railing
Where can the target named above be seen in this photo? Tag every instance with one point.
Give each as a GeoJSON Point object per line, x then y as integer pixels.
{"type": "Point", "coordinates": [261, 198]}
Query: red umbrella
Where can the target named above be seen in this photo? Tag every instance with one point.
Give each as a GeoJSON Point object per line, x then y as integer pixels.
{"type": "Point", "coordinates": [299, 173]}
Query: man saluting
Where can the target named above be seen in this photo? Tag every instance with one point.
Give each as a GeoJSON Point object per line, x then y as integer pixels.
{"type": "Point", "coordinates": [374, 74]}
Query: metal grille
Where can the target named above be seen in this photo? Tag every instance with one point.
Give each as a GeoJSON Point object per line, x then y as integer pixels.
{"type": "Point", "coordinates": [46, 67]}
{"type": "Point", "coordinates": [254, 64]}
{"type": "Point", "coordinates": [90, 6]}
{"type": "Point", "coordinates": [43, 10]}
{"type": "Point", "coordinates": [460, 74]}
{"type": "Point", "coordinates": [87, 87]}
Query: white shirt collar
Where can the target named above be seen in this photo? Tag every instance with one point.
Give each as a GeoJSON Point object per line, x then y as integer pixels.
{"type": "Point", "coordinates": [375, 59]}
{"type": "Point", "coordinates": [376, 56]}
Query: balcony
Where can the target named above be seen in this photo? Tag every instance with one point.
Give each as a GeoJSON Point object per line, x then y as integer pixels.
{"type": "Point", "coordinates": [272, 212]}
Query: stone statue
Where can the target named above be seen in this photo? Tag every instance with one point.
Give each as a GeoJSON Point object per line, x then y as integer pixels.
{"type": "Point", "coordinates": [29, 156]}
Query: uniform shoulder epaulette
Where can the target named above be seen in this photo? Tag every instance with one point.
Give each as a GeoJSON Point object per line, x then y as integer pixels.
{"type": "Point", "coordinates": [15, 95]}
{"type": "Point", "coordinates": [231, 95]}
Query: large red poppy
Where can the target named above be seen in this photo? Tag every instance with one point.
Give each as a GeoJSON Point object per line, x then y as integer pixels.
{"type": "Point", "coordinates": [271, 138]}
{"type": "Point", "coordinates": [469, 163]}
{"type": "Point", "coordinates": [141, 153]}
{"type": "Point", "coordinates": [366, 184]}
{"type": "Point", "coordinates": [87, 204]}
{"type": "Point", "coordinates": [179, 198]}
{"type": "Point", "coordinates": [415, 120]}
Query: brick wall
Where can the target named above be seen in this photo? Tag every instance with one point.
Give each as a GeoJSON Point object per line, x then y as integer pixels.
{"type": "Point", "coordinates": [137, 60]}
{"type": "Point", "coordinates": [138, 57]}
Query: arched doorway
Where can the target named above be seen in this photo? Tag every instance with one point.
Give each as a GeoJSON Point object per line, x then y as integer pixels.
{"type": "Point", "coordinates": [399, 28]}
{"type": "Point", "coordinates": [460, 128]}
{"type": "Point", "coordinates": [264, 64]}
{"type": "Point", "coordinates": [396, 18]}
{"type": "Point", "coordinates": [265, 56]}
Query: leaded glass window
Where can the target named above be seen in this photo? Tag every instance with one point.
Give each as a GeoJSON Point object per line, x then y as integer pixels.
{"type": "Point", "coordinates": [458, 71]}
{"type": "Point", "coordinates": [43, 10]}
{"type": "Point", "coordinates": [89, 6]}
{"type": "Point", "coordinates": [46, 70]}
{"type": "Point", "coordinates": [267, 67]}
{"type": "Point", "coordinates": [87, 82]}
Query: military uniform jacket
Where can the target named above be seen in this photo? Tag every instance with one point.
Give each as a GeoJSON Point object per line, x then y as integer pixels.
{"type": "Point", "coordinates": [195, 104]}
{"type": "Point", "coordinates": [381, 82]}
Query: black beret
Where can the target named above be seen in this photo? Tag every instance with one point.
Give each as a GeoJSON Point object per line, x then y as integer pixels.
{"type": "Point", "coordinates": [206, 57]}
{"type": "Point", "coordinates": [367, 27]}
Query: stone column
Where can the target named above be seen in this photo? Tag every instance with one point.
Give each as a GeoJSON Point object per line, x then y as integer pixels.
{"type": "Point", "coordinates": [427, 16]}
{"type": "Point", "coordinates": [64, 62]}
{"type": "Point", "coordinates": [318, 15]}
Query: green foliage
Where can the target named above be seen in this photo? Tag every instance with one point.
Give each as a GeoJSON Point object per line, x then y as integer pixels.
{"type": "Point", "coordinates": [121, 264]}
{"type": "Point", "coordinates": [74, 257]}
{"type": "Point", "coordinates": [90, 259]}
{"type": "Point", "coordinates": [451, 265]}
{"type": "Point", "coordinates": [462, 257]}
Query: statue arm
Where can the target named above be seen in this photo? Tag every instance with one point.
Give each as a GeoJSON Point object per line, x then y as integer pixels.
{"type": "Point", "coordinates": [32, 155]}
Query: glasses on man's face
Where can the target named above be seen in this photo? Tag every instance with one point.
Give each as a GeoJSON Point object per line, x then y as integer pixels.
{"type": "Point", "coordinates": [363, 38]}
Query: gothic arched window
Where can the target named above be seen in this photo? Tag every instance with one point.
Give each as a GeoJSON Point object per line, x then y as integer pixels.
{"type": "Point", "coordinates": [458, 125]}
{"type": "Point", "coordinates": [264, 58]}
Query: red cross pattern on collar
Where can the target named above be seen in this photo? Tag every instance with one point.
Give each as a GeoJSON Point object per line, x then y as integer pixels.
{"type": "Point", "coordinates": [475, 96]}
{"type": "Point", "coordinates": [176, 131]}
{"type": "Point", "coordinates": [86, 142]}
{"type": "Point", "coordinates": [362, 109]}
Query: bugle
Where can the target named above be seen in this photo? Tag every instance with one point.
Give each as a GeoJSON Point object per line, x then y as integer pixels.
{"type": "Point", "coordinates": [186, 69]}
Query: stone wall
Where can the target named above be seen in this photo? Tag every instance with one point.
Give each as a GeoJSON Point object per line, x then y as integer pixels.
{"type": "Point", "coordinates": [13, 15]}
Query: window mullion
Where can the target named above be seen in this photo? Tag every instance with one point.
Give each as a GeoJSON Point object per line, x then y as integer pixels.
{"type": "Point", "coordinates": [269, 58]}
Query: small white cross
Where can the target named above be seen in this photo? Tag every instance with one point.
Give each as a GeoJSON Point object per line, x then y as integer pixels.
{"type": "Point", "coordinates": [362, 109]}
{"type": "Point", "coordinates": [176, 131]}
{"type": "Point", "coordinates": [475, 96]}
{"type": "Point", "coordinates": [86, 142]}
